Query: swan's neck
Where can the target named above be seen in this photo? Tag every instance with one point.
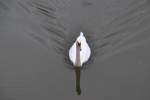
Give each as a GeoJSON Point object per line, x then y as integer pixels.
{"type": "Point", "coordinates": [77, 61]}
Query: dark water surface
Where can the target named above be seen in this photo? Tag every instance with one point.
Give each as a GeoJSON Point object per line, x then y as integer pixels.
{"type": "Point", "coordinates": [35, 36]}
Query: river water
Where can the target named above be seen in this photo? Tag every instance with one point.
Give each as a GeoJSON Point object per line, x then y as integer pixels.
{"type": "Point", "coordinates": [36, 34]}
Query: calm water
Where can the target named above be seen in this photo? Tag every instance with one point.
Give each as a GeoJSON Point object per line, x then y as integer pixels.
{"type": "Point", "coordinates": [35, 35]}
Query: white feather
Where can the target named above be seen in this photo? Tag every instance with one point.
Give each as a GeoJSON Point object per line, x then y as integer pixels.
{"type": "Point", "coordinates": [85, 50]}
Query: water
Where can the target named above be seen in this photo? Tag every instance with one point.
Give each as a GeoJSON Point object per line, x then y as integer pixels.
{"type": "Point", "coordinates": [35, 36]}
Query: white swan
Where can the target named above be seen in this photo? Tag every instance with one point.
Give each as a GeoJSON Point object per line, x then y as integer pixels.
{"type": "Point", "coordinates": [80, 51]}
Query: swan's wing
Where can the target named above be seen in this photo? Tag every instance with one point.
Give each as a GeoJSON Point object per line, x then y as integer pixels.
{"type": "Point", "coordinates": [46, 26]}
{"type": "Point", "coordinates": [72, 53]}
{"type": "Point", "coordinates": [129, 29]}
{"type": "Point", "coordinates": [85, 53]}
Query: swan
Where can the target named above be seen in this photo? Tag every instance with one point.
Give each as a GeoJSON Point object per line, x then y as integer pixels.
{"type": "Point", "coordinates": [79, 53]}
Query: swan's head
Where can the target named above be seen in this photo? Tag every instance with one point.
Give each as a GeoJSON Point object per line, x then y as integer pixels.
{"type": "Point", "coordinates": [80, 41]}
{"type": "Point", "coordinates": [78, 44]}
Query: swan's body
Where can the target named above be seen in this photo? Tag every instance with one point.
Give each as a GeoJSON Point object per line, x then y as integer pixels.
{"type": "Point", "coordinates": [78, 57]}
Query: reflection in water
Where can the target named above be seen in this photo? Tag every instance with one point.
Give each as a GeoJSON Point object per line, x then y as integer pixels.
{"type": "Point", "coordinates": [78, 72]}
{"type": "Point", "coordinates": [114, 36]}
